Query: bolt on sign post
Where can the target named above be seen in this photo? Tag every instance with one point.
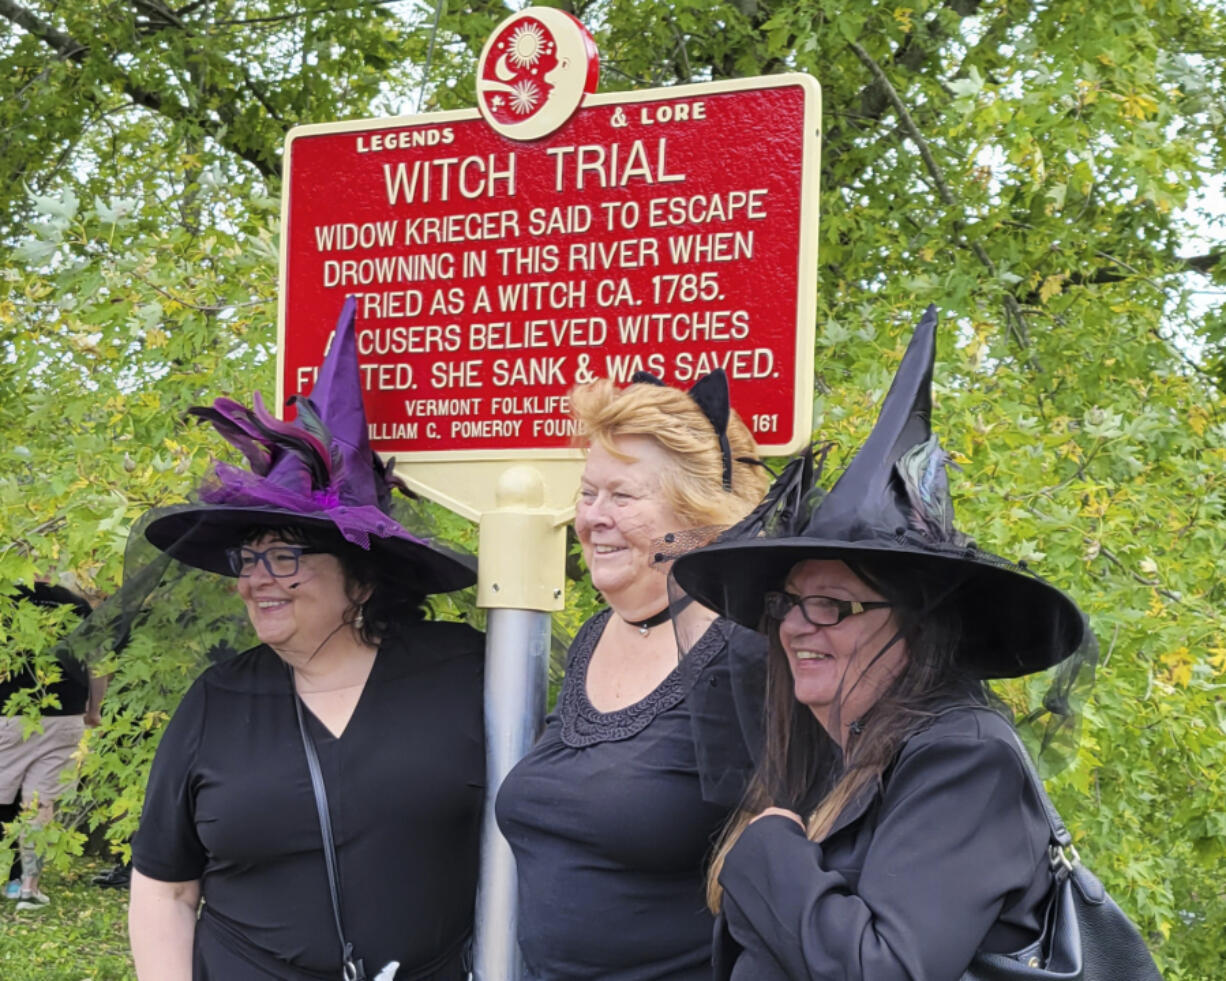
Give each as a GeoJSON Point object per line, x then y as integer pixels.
{"type": "Point", "coordinates": [501, 255]}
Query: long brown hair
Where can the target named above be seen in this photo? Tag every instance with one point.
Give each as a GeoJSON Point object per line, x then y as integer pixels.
{"type": "Point", "coordinates": [802, 767]}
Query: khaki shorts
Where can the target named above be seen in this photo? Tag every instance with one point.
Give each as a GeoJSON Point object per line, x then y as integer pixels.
{"type": "Point", "coordinates": [38, 765]}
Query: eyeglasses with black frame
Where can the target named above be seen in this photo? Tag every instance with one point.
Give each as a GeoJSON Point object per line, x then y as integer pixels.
{"type": "Point", "coordinates": [281, 561]}
{"type": "Point", "coordinates": [821, 611]}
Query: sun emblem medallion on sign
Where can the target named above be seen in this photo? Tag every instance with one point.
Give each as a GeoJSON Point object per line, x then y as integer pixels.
{"type": "Point", "coordinates": [534, 72]}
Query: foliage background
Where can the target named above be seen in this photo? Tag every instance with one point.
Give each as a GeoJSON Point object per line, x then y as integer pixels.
{"type": "Point", "coordinates": [1039, 170]}
{"type": "Point", "coordinates": [82, 935]}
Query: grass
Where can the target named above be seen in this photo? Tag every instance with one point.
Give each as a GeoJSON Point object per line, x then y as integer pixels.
{"type": "Point", "coordinates": [81, 936]}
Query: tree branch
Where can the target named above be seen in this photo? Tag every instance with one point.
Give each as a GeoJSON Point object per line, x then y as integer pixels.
{"type": "Point", "coordinates": [1201, 263]}
{"type": "Point", "coordinates": [687, 73]}
{"type": "Point", "coordinates": [1015, 318]}
{"type": "Point", "coordinates": [210, 309]}
{"type": "Point", "coordinates": [297, 15]}
{"type": "Point", "coordinates": [1115, 560]}
{"type": "Point", "coordinates": [1105, 275]}
{"type": "Point", "coordinates": [65, 46]}
{"type": "Point", "coordinates": [873, 99]}
{"type": "Point", "coordinates": [70, 49]}
{"type": "Point", "coordinates": [168, 18]}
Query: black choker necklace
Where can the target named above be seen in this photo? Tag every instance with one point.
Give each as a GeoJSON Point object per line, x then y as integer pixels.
{"type": "Point", "coordinates": [654, 620]}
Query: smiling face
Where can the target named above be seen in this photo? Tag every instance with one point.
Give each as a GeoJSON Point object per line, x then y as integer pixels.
{"type": "Point", "coordinates": [296, 614]}
{"type": "Point", "coordinates": [836, 670]}
{"type": "Point", "coordinates": [622, 510]}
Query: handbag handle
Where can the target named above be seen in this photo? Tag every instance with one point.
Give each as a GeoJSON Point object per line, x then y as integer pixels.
{"type": "Point", "coordinates": [1061, 839]}
{"type": "Point", "coordinates": [351, 969]}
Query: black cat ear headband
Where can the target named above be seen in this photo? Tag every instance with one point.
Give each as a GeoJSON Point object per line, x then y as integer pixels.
{"type": "Point", "coordinates": [710, 394]}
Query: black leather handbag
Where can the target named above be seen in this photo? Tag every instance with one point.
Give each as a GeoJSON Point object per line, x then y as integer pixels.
{"type": "Point", "coordinates": [1086, 936]}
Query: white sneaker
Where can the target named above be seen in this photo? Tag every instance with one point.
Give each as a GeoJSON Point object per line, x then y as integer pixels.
{"type": "Point", "coordinates": [33, 900]}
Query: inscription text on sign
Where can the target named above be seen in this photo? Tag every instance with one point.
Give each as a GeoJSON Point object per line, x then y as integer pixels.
{"type": "Point", "coordinates": [672, 231]}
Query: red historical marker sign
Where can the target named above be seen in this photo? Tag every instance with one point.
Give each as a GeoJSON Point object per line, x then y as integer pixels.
{"type": "Point", "coordinates": [671, 230]}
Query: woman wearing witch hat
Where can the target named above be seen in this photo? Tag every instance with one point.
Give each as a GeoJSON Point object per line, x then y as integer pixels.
{"type": "Point", "coordinates": [892, 828]}
{"type": "Point", "coordinates": [315, 802]}
{"type": "Point", "coordinates": [612, 812]}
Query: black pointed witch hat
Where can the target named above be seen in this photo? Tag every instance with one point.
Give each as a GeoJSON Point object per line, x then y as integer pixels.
{"type": "Point", "coordinates": [893, 499]}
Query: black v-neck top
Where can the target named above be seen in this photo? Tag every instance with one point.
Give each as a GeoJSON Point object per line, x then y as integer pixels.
{"type": "Point", "coordinates": [230, 803]}
{"type": "Point", "coordinates": [607, 819]}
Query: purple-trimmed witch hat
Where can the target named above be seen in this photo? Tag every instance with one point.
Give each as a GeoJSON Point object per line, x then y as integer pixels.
{"type": "Point", "coordinates": [317, 471]}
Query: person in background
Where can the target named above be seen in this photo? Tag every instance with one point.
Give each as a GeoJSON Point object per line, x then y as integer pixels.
{"type": "Point", "coordinates": [892, 829]}
{"type": "Point", "coordinates": [35, 771]}
{"type": "Point", "coordinates": [118, 876]}
{"type": "Point", "coordinates": [611, 814]}
{"type": "Point", "coordinates": [314, 806]}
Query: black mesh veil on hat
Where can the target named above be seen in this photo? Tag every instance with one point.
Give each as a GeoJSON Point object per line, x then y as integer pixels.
{"type": "Point", "coordinates": [894, 500]}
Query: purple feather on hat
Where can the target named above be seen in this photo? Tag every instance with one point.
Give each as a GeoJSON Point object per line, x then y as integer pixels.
{"type": "Point", "coordinates": [316, 470]}
{"type": "Point", "coordinates": [320, 465]}
{"type": "Point", "coordinates": [321, 461]}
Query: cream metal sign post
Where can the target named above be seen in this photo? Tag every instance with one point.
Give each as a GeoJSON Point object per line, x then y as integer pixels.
{"type": "Point", "coordinates": [503, 254]}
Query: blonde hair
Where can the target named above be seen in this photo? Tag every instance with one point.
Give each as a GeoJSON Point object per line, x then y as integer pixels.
{"type": "Point", "coordinates": [695, 485]}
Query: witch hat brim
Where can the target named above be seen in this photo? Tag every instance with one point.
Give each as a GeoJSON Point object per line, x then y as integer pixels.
{"type": "Point", "coordinates": [893, 502]}
{"type": "Point", "coordinates": [199, 536]}
{"type": "Point", "coordinates": [1013, 622]}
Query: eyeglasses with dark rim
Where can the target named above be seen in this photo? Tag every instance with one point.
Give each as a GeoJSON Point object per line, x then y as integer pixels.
{"type": "Point", "coordinates": [281, 561]}
{"type": "Point", "coordinates": [821, 611]}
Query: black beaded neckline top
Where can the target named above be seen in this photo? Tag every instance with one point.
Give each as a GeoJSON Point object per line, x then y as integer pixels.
{"type": "Point", "coordinates": [585, 725]}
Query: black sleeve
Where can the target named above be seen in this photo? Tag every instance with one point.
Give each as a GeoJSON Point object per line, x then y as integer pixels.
{"type": "Point", "coordinates": [726, 713]}
{"type": "Point", "coordinates": [166, 846]}
{"type": "Point", "coordinates": [45, 594]}
{"type": "Point", "coordinates": [73, 689]}
{"type": "Point", "coordinates": [956, 834]}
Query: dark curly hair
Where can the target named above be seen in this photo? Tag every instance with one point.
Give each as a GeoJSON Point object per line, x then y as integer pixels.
{"type": "Point", "coordinates": [394, 599]}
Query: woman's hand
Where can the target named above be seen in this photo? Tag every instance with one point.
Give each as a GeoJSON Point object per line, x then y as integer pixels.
{"type": "Point", "coordinates": [782, 812]}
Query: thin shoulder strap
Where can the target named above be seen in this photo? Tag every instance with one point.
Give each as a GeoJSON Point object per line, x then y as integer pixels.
{"type": "Point", "coordinates": [1059, 833]}
{"type": "Point", "coordinates": [349, 968]}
